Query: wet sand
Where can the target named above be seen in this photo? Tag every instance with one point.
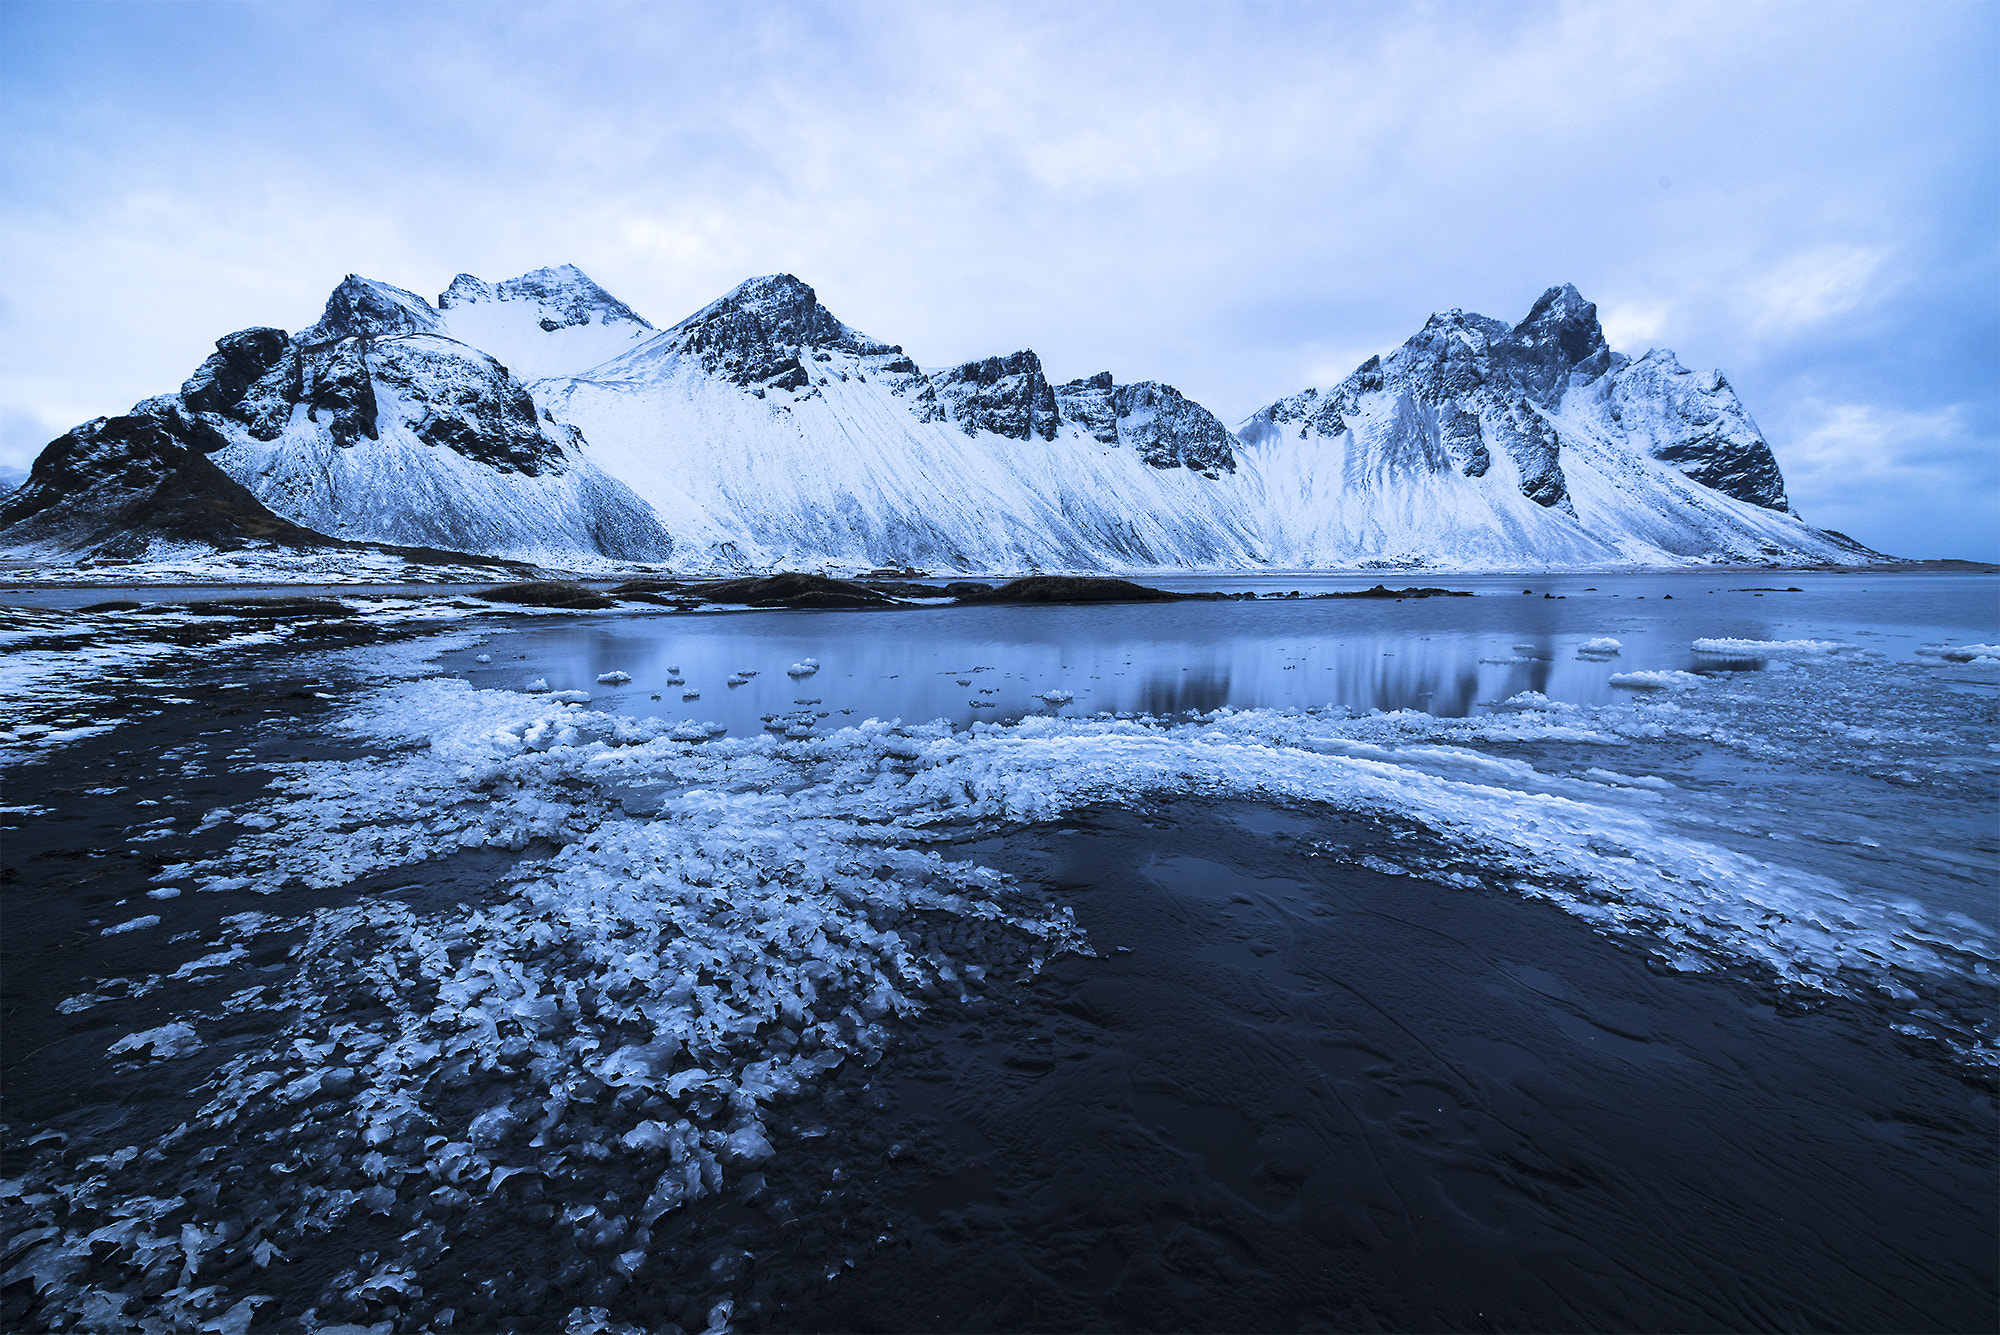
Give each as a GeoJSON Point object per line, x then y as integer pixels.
{"type": "Point", "coordinates": [1312, 1096]}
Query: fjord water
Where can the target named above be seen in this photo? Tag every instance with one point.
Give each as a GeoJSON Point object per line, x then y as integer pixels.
{"type": "Point", "coordinates": [1450, 657]}
{"type": "Point", "coordinates": [1866, 759]}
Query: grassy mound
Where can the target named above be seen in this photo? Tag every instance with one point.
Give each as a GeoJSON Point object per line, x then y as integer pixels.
{"type": "Point", "coordinates": [546, 593]}
{"type": "Point", "coordinates": [1077, 589]}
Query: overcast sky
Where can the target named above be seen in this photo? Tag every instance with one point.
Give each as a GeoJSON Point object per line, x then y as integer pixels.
{"type": "Point", "coordinates": [1238, 200]}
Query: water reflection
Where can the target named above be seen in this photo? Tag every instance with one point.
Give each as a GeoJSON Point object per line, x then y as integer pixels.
{"type": "Point", "coordinates": [1448, 657]}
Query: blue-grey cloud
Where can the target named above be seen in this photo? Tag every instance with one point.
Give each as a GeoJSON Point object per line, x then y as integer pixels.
{"type": "Point", "coordinates": [1240, 200]}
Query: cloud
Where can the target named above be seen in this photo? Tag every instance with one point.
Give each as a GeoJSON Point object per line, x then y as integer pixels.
{"type": "Point", "coordinates": [1237, 199]}
{"type": "Point", "coordinates": [1827, 282]}
{"type": "Point", "coordinates": [1920, 483]}
{"type": "Point", "coordinates": [22, 436]}
{"type": "Point", "coordinates": [1633, 326]}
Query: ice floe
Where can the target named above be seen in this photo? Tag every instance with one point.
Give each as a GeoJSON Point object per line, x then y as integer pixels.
{"type": "Point", "coordinates": [1656, 680]}
{"type": "Point", "coordinates": [1961, 653]}
{"type": "Point", "coordinates": [1727, 648]}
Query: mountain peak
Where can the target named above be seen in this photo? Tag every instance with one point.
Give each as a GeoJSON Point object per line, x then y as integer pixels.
{"type": "Point", "coordinates": [369, 307]}
{"type": "Point", "coordinates": [1562, 318]}
{"type": "Point", "coordinates": [762, 317]}
{"type": "Point", "coordinates": [778, 307]}
{"type": "Point", "coordinates": [566, 293]}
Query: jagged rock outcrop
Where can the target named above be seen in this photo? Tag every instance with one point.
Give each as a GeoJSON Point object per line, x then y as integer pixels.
{"type": "Point", "coordinates": [1467, 384]}
{"type": "Point", "coordinates": [1008, 396]}
{"type": "Point", "coordinates": [1559, 334]}
{"type": "Point", "coordinates": [1167, 429]}
{"type": "Point", "coordinates": [123, 487]}
{"type": "Point", "coordinates": [238, 362]}
{"type": "Point", "coordinates": [758, 333]}
{"type": "Point", "coordinates": [1692, 420]}
{"type": "Point", "coordinates": [771, 338]}
{"type": "Point", "coordinates": [362, 307]}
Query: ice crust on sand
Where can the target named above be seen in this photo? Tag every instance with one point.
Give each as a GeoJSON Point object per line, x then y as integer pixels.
{"type": "Point", "coordinates": [162, 1044]}
{"type": "Point", "coordinates": [132, 925]}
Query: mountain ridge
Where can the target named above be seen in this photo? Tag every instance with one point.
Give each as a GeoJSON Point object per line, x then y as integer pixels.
{"type": "Point", "coordinates": [540, 418]}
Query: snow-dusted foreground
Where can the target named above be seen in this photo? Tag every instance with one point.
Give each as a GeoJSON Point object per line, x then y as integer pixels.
{"type": "Point", "coordinates": [697, 929]}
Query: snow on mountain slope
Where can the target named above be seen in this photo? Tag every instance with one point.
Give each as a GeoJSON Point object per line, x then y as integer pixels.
{"type": "Point", "coordinates": [840, 471]}
{"type": "Point", "coordinates": [763, 430]}
{"type": "Point", "coordinates": [374, 425]}
{"type": "Point", "coordinates": [548, 322]}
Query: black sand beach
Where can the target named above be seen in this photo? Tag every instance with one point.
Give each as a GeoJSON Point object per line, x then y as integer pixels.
{"type": "Point", "coordinates": [1288, 1092]}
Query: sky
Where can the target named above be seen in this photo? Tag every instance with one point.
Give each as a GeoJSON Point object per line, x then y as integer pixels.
{"type": "Point", "coordinates": [1239, 200]}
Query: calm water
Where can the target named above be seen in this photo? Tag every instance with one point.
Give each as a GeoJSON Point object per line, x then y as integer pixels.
{"type": "Point", "coordinates": [1877, 767]}
{"type": "Point", "coordinates": [1449, 656]}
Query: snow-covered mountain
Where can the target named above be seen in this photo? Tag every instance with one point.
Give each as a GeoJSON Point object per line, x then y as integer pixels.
{"type": "Point", "coordinates": [377, 424]}
{"type": "Point", "coordinates": [540, 418]}
{"type": "Point", "coordinates": [764, 431]}
{"type": "Point", "coordinates": [549, 322]}
{"type": "Point", "coordinates": [1487, 439]}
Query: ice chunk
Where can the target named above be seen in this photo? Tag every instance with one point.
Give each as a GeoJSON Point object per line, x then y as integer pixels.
{"type": "Point", "coordinates": [1727, 648]}
{"type": "Point", "coordinates": [1057, 696]}
{"type": "Point", "coordinates": [571, 697]}
{"type": "Point", "coordinates": [539, 686]}
{"type": "Point", "coordinates": [1601, 647]}
{"type": "Point", "coordinates": [805, 669]}
{"type": "Point", "coordinates": [614, 678]}
{"type": "Point", "coordinates": [1962, 653]}
{"type": "Point", "coordinates": [1656, 681]}
{"type": "Point", "coordinates": [165, 1043]}
{"type": "Point", "coordinates": [133, 925]}
{"type": "Point", "coordinates": [482, 658]}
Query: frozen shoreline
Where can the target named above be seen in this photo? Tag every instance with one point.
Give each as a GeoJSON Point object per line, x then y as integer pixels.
{"type": "Point", "coordinates": [810, 889]}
